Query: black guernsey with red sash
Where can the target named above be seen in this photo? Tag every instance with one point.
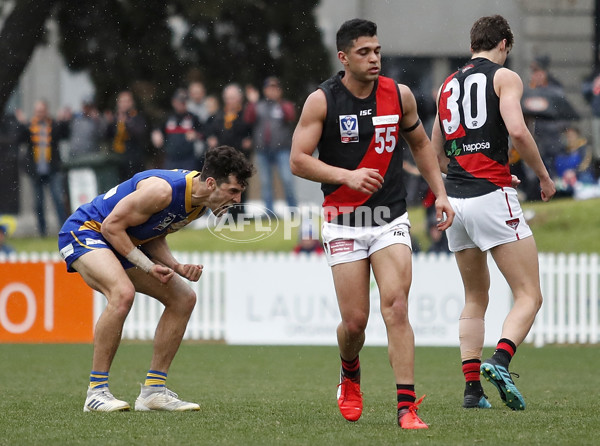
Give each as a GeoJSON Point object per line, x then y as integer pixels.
{"type": "Point", "coordinates": [475, 136]}
{"type": "Point", "coordinates": [361, 133]}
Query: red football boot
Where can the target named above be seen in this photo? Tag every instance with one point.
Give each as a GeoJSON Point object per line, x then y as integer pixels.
{"type": "Point", "coordinates": [408, 418]}
{"type": "Point", "coordinates": [349, 398]}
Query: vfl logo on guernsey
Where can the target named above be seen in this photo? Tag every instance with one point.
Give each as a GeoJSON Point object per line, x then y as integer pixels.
{"type": "Point", "coordinates": [349, 128]}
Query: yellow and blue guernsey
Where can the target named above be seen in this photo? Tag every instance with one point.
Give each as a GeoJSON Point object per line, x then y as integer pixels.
{"type": "Point", "coordinates": [81, 232]}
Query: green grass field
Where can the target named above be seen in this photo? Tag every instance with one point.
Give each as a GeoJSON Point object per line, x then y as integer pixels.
{"type": "Point", "coordinates": [286, 396]}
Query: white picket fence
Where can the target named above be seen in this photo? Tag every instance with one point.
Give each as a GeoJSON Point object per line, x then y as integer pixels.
{"type": "Point", "coordinates": [208, 318]}
{"type": "Point", "coordinates": [570, 313]}
{"type": "Point", "coordinates": [570, 285]}
{"type": "Point", "coordinates": [571, 305]}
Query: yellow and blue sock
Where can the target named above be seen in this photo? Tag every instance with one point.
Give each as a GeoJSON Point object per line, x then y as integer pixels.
{"type": "Point", "coordinates": [98, 379]}
{"type": "Point", "coordinates": [155, 378]}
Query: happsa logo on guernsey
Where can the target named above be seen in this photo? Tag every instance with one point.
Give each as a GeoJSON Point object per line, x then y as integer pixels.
{"type": "Point", "coordinates": [476, 147]}
{"type": "Point", "coordinates": [248, 223]}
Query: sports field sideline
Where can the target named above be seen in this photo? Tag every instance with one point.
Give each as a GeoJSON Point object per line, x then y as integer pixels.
{"type": "Point", "coordinates": [286, 396]}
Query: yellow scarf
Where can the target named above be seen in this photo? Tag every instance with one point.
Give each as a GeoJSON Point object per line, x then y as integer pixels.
{"type": "Point", "coordinates": [120, 137]}
{"type": "Point", "coordinates": [230, 118]}
{"type": "Point", "coordinates": [41, 139]}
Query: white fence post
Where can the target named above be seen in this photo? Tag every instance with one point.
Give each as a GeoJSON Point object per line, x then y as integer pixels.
{"type": "Point", "coordinates": [582, 295]}
{"type": "Point", "coordinates": [538, 331]}
{"type": "Point", "coordinates": [594, 298]}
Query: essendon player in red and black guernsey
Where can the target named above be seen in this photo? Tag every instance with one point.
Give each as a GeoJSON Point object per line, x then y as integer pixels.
{"type": "Point", "coordinates": [363, 133]}
{"type": "Point", "coordinates": [479, 108]}
{"type": "Point", "coordinates": [355, 120]}
{"type": "Point", "coordinates": [478, 157]}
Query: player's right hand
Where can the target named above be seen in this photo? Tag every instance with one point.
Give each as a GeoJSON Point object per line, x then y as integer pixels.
{"type": "Point", "coordinates": [548, 189]}
{"type": "Point", "coordinates": [515, 181]}
{"type": "Point", "coordinates": [161, 272]}
{"type": "Point", "coordinates": [189, 271]}
{"type": "Point", "coordinates": [365, 180]}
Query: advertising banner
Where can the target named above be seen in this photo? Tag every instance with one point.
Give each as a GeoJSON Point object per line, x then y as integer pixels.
{"type": "Point", "coordinates": [41, 302]}
{"type": "Point", "coordinates": [291, 300]}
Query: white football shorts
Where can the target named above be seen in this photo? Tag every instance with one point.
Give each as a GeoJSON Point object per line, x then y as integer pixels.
{"type": "Point", "coordinates": [489, 220]}
{"type": "Point", "coordinates": [345, 244]}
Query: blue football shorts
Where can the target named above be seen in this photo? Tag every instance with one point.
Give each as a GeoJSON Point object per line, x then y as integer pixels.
{"type": "Point", "coordinates": [75, 240]}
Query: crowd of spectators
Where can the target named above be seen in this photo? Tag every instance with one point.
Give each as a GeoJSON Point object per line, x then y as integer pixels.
{"type": "Point", "coordinates": [260, 124]}
{"type": "Point", "coordinates": [556, 127]}
{"type": "Point", "coordinates": [126, 139]}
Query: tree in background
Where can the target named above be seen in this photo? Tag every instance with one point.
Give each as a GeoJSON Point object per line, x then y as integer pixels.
{"type": "Point", "coordinates": [154, 47]}
{"type": "Point", "coordinates": [22, 30]}
{"type": "Point", "coordinates": [247, 41]}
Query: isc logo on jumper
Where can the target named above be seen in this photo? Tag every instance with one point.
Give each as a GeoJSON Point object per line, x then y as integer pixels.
{"type": "Point", "coordinates": [348, 128]}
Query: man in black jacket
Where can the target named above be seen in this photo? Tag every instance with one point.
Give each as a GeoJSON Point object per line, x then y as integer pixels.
{"type": "Point", "coordinates": [43, 163]}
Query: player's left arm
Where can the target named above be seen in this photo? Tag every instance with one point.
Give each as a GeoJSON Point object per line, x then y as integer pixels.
{"type": "Point", "coordinates": [509, 88]}
{"type": "Point", "coordinates": [424, 156]}
{"type": "Point", "coordinates": [159, 250]}
{"type": "Point", "coordinates": [151, 196]}
{"type": "Point", "coordinates": [437, 142]}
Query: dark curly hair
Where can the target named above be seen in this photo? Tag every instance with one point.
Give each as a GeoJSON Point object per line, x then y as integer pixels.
{"type": "Point", "coordinates": [487, 32]}
{"type": "Point", "coordinates": [222, 161]}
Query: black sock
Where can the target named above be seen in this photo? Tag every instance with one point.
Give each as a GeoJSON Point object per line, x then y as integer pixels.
{"type": "Point", "coordinates": [470, 368]}
{"type": "Point", "coordinates": [505, 351]}
{"type": "Point", "coordinates": [473, 388]}
{"type": "Point", "coordinates": [406, 395]}
{"type": "Point", "coordinates": [351, 369]}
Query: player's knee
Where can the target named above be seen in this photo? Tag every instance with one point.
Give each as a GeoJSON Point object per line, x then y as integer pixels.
{"type": "Point", "coordinates": [188, 301]}
{"type": "Point", "coordinates": [356, 324]}
{"type": "Point", "coordinates": [122, 298]}
{"type": "Point", "coordinates": [183, 302]}
{"type": "Point", "coordinates": [396, 312]}
{"type": "Point", "coordinates": [531, 301]}
{"type": "Point", "coordinates": [538, 302]}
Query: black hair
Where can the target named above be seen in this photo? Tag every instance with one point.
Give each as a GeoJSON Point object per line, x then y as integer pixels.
{"type": "Point", "coordinates": [222, 161]}
{"type": "Point", "coordinates": [352, 30]}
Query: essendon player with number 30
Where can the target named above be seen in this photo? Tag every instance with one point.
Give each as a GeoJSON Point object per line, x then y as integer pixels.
{"type": "Point", "coordinates": [355, 120]}
{"type": "Point", "coordinates": [478, 109]}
